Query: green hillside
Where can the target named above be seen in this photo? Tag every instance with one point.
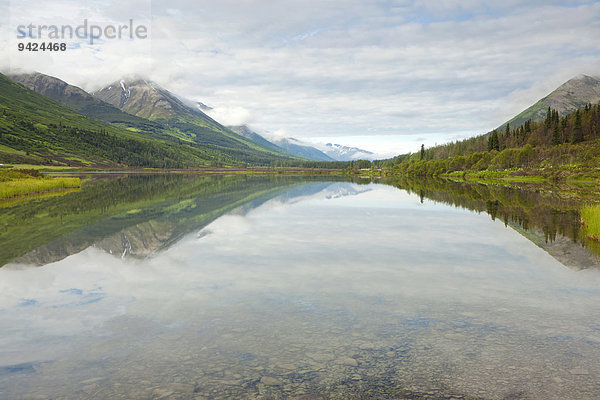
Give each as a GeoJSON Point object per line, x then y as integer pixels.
{"type": "Point", "coordinates": [35, 129]}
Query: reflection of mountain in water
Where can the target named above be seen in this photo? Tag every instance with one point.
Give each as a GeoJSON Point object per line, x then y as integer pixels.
{"type": "Point", "coordinates": [147, 238]}
{"type": "Point", "coordinates": [547, 216]}
{"type": "Point", "coordinates": [141, 215]}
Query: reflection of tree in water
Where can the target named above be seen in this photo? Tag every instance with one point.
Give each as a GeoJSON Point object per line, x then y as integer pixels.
{"type": "Point", "coordinates": [551, 210]}
{"type": "Point", "coordinates": [492, 208]}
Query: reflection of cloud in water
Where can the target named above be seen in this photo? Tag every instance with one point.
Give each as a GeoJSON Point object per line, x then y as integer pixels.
{"type": "Point", "coordinates": [237, 224]}
{"type": "Point", "coordinates": [320, 191]}
{"type": "Point", "coordinates": [227, 225]}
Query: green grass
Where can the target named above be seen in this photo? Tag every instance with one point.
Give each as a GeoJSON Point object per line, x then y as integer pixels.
{"type": "Point", "coordinates": [15, 183]}
{"type": "Point", "coordinates": [590, 218]}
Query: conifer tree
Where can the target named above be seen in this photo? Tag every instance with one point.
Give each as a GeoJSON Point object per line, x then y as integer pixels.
{"type": "Point", "coordinates": [577, 130]}
{"type": "Point", "coordinates": [493, 141]}
{"type": "Point", "coordinates": [556, 139]}
{"type": "Point", "coordinates": [548, 119]}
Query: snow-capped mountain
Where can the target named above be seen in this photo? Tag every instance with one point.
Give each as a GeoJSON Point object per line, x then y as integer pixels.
{"type": "Point", "coordinates": [328, 152]}
{"type": "Point", "coordinates": [345, 153]}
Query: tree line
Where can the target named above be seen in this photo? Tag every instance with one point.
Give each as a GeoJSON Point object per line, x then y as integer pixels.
{"type": "Point", "coordinates": [555, 141]}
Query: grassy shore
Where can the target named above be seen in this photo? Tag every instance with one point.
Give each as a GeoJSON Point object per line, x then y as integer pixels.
{"type": "Point", "coordinates": [23, 182]}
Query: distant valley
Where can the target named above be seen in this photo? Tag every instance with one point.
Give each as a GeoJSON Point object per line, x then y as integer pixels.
{"type": "Point", "coordinates": [139, 110]}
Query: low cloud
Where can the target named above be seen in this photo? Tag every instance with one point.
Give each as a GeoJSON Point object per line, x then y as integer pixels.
{"type": "Point", "coordinates": [230, 116]}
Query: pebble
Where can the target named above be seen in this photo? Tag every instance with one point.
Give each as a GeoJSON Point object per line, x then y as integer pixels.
{"type": "Point", "coordinates": [162, 393]}
{"type": "Point", "coordinates": [579, 371]}
{"type": "Point", "coordinates": [270, 381]}
{"type": "Point", "coordinates": [351, 362]}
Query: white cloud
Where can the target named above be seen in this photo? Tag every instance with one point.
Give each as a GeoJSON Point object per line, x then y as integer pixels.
{"type": "Point", "coordinates": [231, 116]}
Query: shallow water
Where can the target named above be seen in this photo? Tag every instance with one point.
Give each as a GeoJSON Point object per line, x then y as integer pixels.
{"type": "Point", "coordinates": [312, 290]}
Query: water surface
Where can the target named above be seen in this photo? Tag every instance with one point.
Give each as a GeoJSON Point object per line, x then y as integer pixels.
{"type": "Point", "coordinates": [279, 288]}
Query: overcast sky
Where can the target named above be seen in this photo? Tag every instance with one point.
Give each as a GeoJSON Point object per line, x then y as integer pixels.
{"type": "Point", "coordinates": [383, 75]}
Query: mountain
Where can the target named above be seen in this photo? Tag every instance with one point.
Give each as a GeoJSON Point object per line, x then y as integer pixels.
{"type": "Point", "coordinates": [148, 100]}
{"type": "Point", "coordinates": [182, 119]}
{"type": "Point", "coordinates": [75, 98]}
{"type": "Point", "coordinates": [248, 133]}
{"type": "Point", "coordinates": [301, 149]}
{"type": "Point", "coordinates": [344, 153]}
{"type": "Point", "coordinates": [573, 94]}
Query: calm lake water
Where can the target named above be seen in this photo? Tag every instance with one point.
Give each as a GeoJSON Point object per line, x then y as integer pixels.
{"type": "Point", "coordinates": [170, 287]}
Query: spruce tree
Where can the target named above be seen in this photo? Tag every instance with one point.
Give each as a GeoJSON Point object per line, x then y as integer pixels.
{"type": "Point", "coordinates": [422, 152]}
{"type": "Point", "coordinates": [548, 119]}
{"type": "Point", "coordinates": [493, 141]}
{"type": "Point", "coordinates": [556, 139]}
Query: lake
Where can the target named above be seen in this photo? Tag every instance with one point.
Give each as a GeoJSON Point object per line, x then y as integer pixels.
{"type": "Point", "coordinates": [191, 287]}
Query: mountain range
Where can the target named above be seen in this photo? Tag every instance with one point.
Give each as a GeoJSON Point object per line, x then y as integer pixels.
{"type": "Point", "coordinates": [312, 151]}
{"type": "Point", "coordinates": [137, 115]}
{"type": "Point", "coordinates": [145, 107]}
